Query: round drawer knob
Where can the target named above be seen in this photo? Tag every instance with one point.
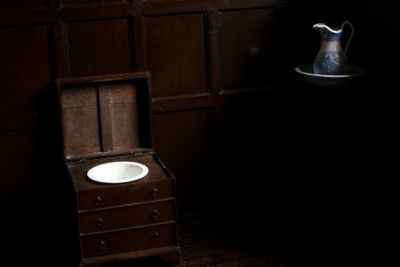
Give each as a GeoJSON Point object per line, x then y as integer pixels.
{"type": "Point", "coordinates": [155, 214]}
{"type": "Point", "coordinates": [98, 200]}
{"type": "Point", "coordinates": [101, 245]}
{"type": "Point", "coordinates": [100, 221]}
{"type": "Point", "coordinates": [154, 192]}
{"type": "Point", "coordinates": [156, 236]}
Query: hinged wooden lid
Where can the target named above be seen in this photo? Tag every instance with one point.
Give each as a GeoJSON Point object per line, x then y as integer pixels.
{"type": "Point", "coordinates": [105, 115]}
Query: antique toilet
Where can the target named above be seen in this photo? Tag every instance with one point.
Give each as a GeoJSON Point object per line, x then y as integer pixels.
{"type": "Point", "coordinates": [124, 194]}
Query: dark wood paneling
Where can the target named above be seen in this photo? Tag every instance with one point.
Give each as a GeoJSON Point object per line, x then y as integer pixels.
{"type": "Point", "coordinates": [22, 4]}
{"type": "Point", "coordinates": [240, 4]}
{"type": "Point", "coordinates": [99, 47]}
{"type": "Point", "coordinates": [193, 49]}
{"type": "Point", "coordinates": [23, 17]}
{"type": "Point", "coordinates": [18, 160]}
{"type": "Point", "coordinates": [96, 12]}
{"type": "Point", "coordinates": [181, 139]}
{"type": "Point", "coordinates": [215, 50]}
{"type": "Point", "coordinates": [82, 2]}
{"type": "Point", "coordinates": [158, 7]}
{"type": "Point", "coordinates": [187, 102]}
{"type": "Point", "coordinates": [246, 48]}
{"type": "Point", "coordinates": [24, 51]}
{"type": "Point", "coordinates": [176, 54]}
{"type": "Point", "coordinates": [18, 121]}
{"type": "Point", "coordinates": [181, 6]}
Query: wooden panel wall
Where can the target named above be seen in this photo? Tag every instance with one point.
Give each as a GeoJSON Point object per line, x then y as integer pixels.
{"type": "Point", "coordinates": [203, 56]}
{"type": "Point", "coordinates": [182, 54]}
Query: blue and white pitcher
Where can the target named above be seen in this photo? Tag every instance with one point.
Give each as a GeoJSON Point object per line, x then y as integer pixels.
{"type": "Point", "coordinates": [331, 59]}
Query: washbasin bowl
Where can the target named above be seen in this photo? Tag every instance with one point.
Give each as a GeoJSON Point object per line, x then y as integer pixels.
{"type": "Point", "coordinates": [117, 172]}
{"type": "Point", "coordinates": [326, 80]}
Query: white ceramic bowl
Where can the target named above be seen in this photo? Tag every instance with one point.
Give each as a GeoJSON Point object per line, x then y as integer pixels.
{"type": "Point", "coordinates": [117, 172]}
{"type": "Point", "coordinates": [324, 80]}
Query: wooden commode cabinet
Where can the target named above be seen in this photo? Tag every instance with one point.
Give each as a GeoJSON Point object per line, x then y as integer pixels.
{"type": "Point", "coordinates": [107, 119]}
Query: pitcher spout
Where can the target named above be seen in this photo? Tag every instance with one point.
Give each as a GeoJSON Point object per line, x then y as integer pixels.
{"type": "Point", "coordinates": [327, 33]}
{"type": "Point", "coordinates": [323, 26]}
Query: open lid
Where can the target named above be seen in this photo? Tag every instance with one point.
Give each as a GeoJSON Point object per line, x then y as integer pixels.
{"type": "Point", "coordinates": [105, 115]}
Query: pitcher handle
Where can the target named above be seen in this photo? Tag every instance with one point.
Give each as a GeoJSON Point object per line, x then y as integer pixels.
{"type": "Point", "coordinates": [351, 35]}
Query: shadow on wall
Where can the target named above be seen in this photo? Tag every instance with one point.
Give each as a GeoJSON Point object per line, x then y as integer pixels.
{"type": "Point", "coordinates": [42, 213]}
{"type": "Point", "coordinates": [353, 211]}
{"type": "Point", "coordinates": [373, 48]}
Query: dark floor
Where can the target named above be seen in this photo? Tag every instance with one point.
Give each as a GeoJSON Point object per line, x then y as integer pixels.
{"type": "Point", "coordinates": [208, 240]}
{"type": "Point", "coordinates": [205, 240]}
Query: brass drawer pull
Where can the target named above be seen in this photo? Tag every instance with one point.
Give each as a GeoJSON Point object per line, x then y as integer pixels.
{"type": "Point", "coordinates": [155, 214]}
{"type": "Point", "coordinates": [154, 192]}
{"type": "Point", "coordinates": [100, 221]}
{"type": "Point", "coordinates": [101, 244]}
{"type": "Point", "coordinates": [156, 236]}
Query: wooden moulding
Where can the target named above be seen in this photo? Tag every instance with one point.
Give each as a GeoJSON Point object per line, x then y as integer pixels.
{"type": "Point", "coordinates": [105, 115]}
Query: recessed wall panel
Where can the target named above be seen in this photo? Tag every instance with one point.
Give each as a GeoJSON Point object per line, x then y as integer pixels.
{"type": "Point", "coordinates": [176, 54]}
{"type": "Point", "coordinates": [99, 47]}
{"type": "Point", "coordinates": [246, 48]}
{"type": "Point", "coordinates": [181, 139]}
{"type": "Point", "coordinates": [24, 53]}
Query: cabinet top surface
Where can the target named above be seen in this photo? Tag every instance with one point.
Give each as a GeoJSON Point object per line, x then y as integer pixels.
{"type": "Point", "coordinates": [78, 171]}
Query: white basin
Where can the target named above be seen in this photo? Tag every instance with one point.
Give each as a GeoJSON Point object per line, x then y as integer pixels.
{"type": "Point", "coordinates": [325, 80]}
{"type": "Point", "coordinates": [117, 172]}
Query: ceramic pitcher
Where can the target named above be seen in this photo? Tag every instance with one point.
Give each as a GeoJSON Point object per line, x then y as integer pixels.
{"type": "Point", "coordinates": [331, 59]}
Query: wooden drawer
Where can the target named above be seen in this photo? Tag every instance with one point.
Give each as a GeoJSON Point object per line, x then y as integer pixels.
{"type": "Point", "coordinates": [124, 194]}
{"type": "Point", "coordinates": [124, 217]}
{"type": "Point", "coordinates": [116, 242]}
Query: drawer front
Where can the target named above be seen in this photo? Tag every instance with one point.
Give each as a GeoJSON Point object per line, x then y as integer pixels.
{"type": "Point", "coordinates": [124, 194]}
{"type": "Point", "coordinates": [124, 241]}
{"type": "Point", "coordinates": [126, 217]}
